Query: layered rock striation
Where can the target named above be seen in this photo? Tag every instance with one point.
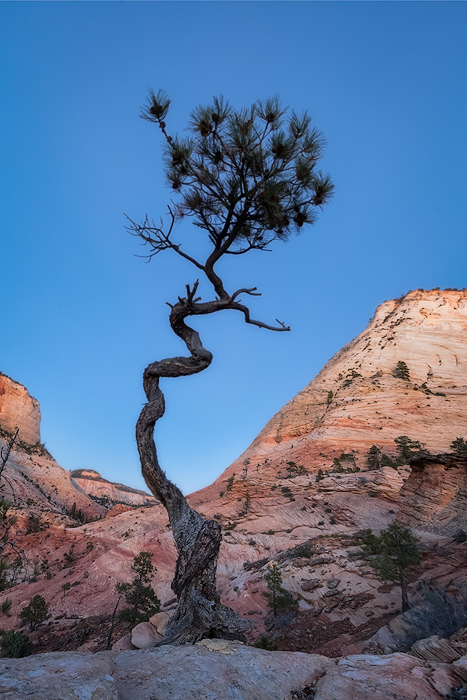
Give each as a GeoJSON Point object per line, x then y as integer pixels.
{"type": "Point", "coordinates": [95, 485]}
{"type": "Point", "coordinates": [358, 399]}
{"type": "Point", "coordinates": [18, 409]}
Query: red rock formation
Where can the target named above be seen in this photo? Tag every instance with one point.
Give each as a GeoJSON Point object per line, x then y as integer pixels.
{"type": "Point", "coordinates": [95, 485]}
{"type": "Point", "coordinates": [19, 409]}
{"type": "Point", "coordinates": [357, 401]}
{"type": "Point", "coordinates": [434, 497]}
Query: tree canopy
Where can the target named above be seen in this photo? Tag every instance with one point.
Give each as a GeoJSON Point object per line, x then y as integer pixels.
{"type": "Point", "coordinates": [247, 177]}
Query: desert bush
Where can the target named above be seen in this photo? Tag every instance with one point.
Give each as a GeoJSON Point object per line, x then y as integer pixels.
{"type": "Point", "coordinates": [304, 549]}
{"type": "Point", "coordinates": [440, 613]}
{"type": "Point", "coordinates": [15, 645]}
{"type": "Point", "coordinates": [320, 475]}
{"type": "Point", "coordinates": [459, 446]}
{"type": "Point", "coordinates": [408, 449]}
{"type": "Point", "coordinates": [6, 606]}
{"type": "Point", "coordinates": [264, 643]}
{"type": "Point", "coordinates": [35, 612]}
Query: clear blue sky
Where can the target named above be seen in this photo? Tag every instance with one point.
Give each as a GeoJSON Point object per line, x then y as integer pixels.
{"type": "Point", "coordinates": [81, 316]}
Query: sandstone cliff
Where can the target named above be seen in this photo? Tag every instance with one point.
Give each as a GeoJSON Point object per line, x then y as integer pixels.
{"type": "Point", "coordinates": [19, 409]}
{"type": "Point", "coordinates": [357, 401]}
{"type": "Point", "coordinates": [95, 485]}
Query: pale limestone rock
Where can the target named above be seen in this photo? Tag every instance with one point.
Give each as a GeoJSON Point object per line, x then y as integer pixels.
{"type": "Point", "coordinates": [230, 671]}
{"type": "Point", "coordinates": [59, 676]}
{"type": "Point", "coordinates": [144, 635]}
{"type": "Point", "coordinates": [224, 670]}
{"type": "Point", "coordinates": [159, 621]}
{"type": "Point", "coordinates": [362, 677]}
{"type": "Point", "coordinates": [94, 484]}
{"type": "Point", "coordinates": [123, 644]}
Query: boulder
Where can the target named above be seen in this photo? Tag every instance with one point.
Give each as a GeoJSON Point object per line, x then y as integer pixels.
{"type": "Point", "coordinates": [123, 644]}
{"type": "Point", "coordinates": [59, 676]}
{"type": "Point", "coordinates": [144, 636]}
{"type": "Point", "coordinates": [366, 677]}
{"type": "Point", "coordinates": [215, 669]}
{"type": "Point", "coordinates": [159, 621]}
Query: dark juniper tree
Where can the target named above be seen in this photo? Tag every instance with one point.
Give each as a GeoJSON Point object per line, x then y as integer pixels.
{"type": "Point", "coordinates": [247, 178]}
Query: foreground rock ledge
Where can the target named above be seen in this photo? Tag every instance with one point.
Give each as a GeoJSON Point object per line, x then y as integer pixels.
{"type": "Point", "coordinates": [224, 670]}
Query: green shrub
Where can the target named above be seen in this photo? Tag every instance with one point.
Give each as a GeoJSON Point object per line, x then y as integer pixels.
{"type": "Point", "coordinates": [295, 470]}
{"type": "Point", "coordinates": [34, 525]}
{"type": "Point", "coordinates": [6, 606]}
{"type": "Point", "coordinates": [15, 645]}
{"type": "Point", "coordinates": [459, 446]}
{"type": "Point", "coordinates": [35, 612]}
{"type": "Point", "coordinates": [264, 643]}
{"type": "Point", "coordinates": [408, 449]}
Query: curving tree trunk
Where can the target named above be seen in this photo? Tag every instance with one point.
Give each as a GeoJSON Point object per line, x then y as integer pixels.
{"type": "Point", "coordinates": [199, 612]}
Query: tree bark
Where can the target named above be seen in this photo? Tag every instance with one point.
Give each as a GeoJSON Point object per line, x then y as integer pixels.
{"type": "Point", "coordinates": [199, 612]}
{"type": "Point", "coordinates": [405, 598]}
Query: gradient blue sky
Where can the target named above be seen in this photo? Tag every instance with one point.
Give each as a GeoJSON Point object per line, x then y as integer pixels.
{"type": "Point", "coordinates": [81, 316]}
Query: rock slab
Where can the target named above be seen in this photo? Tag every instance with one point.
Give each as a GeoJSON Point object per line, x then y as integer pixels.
{"type": "Point", "coordinates": [224, 670]}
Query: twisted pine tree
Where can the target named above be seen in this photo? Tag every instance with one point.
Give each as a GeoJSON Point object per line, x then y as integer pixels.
{"type": "Point", "coordinates": [247, 178]}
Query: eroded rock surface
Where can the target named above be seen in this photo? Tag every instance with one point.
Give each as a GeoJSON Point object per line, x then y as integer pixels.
{"type": "Point", "coordinates": [223, 670]}
{"type": "Point", "coordinates": [18, 409]}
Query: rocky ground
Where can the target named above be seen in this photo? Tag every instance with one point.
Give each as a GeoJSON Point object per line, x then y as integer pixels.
{"type": "Point", "coordinates": [222, 670]}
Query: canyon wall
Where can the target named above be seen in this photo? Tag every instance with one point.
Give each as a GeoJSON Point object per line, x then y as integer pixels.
{"type": "Point", "coordinates": [357, 400]}
{"type": "Point", "coordinates": [19, 409]}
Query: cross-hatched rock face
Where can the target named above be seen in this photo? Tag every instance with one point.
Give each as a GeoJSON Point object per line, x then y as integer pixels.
{"type": "Point", "coordinates": [19, 409]}
{"type": "Point", "coordinates": [405, 374]}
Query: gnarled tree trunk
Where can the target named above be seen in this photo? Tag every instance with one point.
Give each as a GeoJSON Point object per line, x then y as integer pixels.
{"type": "Point", "coordinates": [199, 613]}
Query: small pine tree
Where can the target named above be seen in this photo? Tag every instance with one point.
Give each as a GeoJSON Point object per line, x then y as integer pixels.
{"type": "Point", "coordinates": [373, 460]}
{"type": "Point", "coordinates": [337, 467]}
{"type": "Point", "coordinates": [408, 449]}
{"type": "Point", "coordinates": [139, 594]}
{"type": "Point", "coordinates": [402, 371]}
{"type": "Point", "coordinates": [320, 475]}
{"type": "Point", "coordinates": [459, 446]}
{"type": "Point", "coordinates": [391, 554]}
{"type": "Point", "coordinates": [278, 597]}
{"type": "Point", "coordinates": [66, 587]}
{"type": "Point", "coordinates": [35, 612]}
{"type": "Point", "coordinates": [329, 397]}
